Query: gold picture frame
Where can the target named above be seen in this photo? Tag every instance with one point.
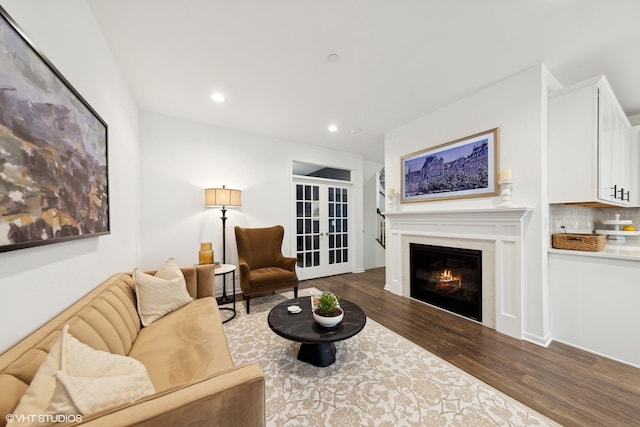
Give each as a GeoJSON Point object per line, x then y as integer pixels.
{"type": "Point", "coordinates": [466, 167]}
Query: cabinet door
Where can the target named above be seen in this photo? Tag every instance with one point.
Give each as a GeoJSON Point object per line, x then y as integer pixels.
{"type": "Point", "coordinates": [605, 146]}
{"type": "Point", "coordinates": [621, 159]}
{"type": "Point", "coordinates": [614, 173]}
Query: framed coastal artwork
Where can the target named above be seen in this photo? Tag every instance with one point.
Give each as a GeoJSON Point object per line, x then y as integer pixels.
{"type": "Point", "coordinates": [53, 151]}
{"type": "Point", "coordinates": [465, 167]}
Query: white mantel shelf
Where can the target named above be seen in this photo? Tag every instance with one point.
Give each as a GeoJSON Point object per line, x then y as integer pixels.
{"type": "Point", "coordinates": [484, 215]}
{"type": "Point", "coordinates": [498, 231]}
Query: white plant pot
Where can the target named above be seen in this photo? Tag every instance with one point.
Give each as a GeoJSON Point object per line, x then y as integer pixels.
{"type": "Point", "coordinates": [328, 322]}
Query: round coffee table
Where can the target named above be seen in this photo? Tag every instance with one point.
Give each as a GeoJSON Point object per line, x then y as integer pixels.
{"type": "Point", "coordinates": [316, 341]}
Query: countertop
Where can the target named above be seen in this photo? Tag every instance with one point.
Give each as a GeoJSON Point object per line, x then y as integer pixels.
{"type": "Point", "coordinates": [629, 250]}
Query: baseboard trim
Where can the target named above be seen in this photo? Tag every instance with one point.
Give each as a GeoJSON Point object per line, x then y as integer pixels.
{"type": "Point", "coordinates": [607, 356]}
{"type": "Point", "coordinates": [537, 339]}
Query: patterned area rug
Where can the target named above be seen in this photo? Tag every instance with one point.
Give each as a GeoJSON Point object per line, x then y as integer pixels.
{"type": "Point", "coordinates": [379, 379]}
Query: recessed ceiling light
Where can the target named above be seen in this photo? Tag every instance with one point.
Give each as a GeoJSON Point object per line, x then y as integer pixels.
{"type": "Point", "coordinates": [217, 97]}
{"type": "Point", "coordinates": [333, 57]}
{"type": "Point", "coordinates": [333, 128]}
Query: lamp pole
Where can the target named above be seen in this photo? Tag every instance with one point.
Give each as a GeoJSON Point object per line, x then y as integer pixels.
{"type": "Point", "coordinates": [224, 299]}
{"type": "Point", "coordinates": [216, 197]}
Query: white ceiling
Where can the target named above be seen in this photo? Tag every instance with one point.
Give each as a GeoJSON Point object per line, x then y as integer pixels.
{"type": "Point", "coordinates": [399, 59]}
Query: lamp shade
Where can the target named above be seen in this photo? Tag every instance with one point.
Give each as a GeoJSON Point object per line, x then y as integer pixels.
{"type": "Point", "coordinates": [222, 197]}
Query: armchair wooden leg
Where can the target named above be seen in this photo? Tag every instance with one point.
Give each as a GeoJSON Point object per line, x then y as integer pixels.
{"type": "Point", "coordinates": [295, 292]}
{"type": "Point", "coordinates": [248, 299]}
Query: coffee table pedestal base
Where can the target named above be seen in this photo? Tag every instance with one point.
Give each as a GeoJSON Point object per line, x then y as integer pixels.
{"type": "Point", "coordinates": [319, 354]}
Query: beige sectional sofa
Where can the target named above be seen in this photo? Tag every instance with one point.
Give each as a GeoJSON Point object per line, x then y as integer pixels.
{"type": "Point", "coordinates": [185, 354]}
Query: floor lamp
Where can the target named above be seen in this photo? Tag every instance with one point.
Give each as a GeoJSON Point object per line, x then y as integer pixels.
{"type": "Point", "coordinates": [223, 197]}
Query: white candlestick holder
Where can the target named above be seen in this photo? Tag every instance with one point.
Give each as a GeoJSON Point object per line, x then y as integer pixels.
{"type": "Point", "coordinates": [392, 198]}
{"type": "Point", "coordinates": [506, 188]}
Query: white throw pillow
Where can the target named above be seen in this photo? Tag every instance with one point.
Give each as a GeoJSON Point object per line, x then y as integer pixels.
{"type": "Point", "coordinates": [77, 379]}
{"type": "Point", "coordinates": [161, 293]}
{"type": "Point", "coordinates": [91, 380]}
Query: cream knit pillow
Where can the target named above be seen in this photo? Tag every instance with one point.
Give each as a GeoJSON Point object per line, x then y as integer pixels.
{"type": "Point", "coordinates": [161, 293]}
{"type": "Point", "coordinates": [91, 380]}
{"type": "Point", "coordinates": [76, 379]}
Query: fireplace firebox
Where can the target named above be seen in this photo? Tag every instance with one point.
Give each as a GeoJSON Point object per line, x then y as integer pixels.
{"type": "Point", "coordinates": [449, 278]}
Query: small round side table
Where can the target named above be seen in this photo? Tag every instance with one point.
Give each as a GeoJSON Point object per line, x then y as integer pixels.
{"type": "Point", "coordinates": [223, 270]}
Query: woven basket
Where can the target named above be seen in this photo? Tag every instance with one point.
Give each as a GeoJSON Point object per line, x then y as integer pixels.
{"type": "Point", "coordinates": [578, 242]}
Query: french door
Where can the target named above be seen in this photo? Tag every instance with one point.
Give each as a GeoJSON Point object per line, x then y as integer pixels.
{"type": "Point", "coordinates": [322, 229]}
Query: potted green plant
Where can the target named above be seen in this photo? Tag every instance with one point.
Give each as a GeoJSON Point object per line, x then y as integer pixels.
{"type": "Point", "coordinates": [327, 311]}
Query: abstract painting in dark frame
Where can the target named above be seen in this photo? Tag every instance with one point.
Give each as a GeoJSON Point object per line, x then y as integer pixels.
{"type": "Point", "coordinates": [54, 182]}
{"type": "Point", "coordinates": [462, 168]}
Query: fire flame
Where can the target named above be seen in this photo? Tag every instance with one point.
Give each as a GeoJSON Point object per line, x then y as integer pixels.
{"type": "Point", "coordinates": [447, 280]}
{"type": "Point", "coordinates": [447, 276]}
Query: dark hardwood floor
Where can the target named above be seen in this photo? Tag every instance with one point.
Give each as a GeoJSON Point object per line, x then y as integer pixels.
{"type": "Point", "coordinates": [570, 386]}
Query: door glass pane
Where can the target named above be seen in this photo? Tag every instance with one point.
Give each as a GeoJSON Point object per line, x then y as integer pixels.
{"type": "Point", "coordinates": [307, 225]}
{"type": "Point", "coordinates": [338, 226]}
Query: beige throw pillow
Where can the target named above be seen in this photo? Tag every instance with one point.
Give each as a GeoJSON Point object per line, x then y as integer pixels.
{"type": "Point", "coordinates": [161, 293]}
{"type": "Point", "coordinates": [91, 380]}
{"type": "Point", "coordinates": [76, 379]}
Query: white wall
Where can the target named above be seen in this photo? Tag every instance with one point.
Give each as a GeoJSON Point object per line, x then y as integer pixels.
{"type": "Point", "coordinates": [516, 106]}
{"type": "Point", "coordinates": [181, 158]}
{"type": "Point", "coordinates": [37, 283]}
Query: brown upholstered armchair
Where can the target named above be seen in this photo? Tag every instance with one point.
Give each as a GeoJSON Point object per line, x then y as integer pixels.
{"type": "Point", "coordinates": [263, 268]}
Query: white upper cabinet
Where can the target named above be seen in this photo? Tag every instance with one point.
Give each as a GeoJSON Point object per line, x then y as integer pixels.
{"type": "Point", "coordinates": [589, 146]}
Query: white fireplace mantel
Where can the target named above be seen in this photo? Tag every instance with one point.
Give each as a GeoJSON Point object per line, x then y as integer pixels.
{"type": "Point", "coordinates": [499, 230]}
